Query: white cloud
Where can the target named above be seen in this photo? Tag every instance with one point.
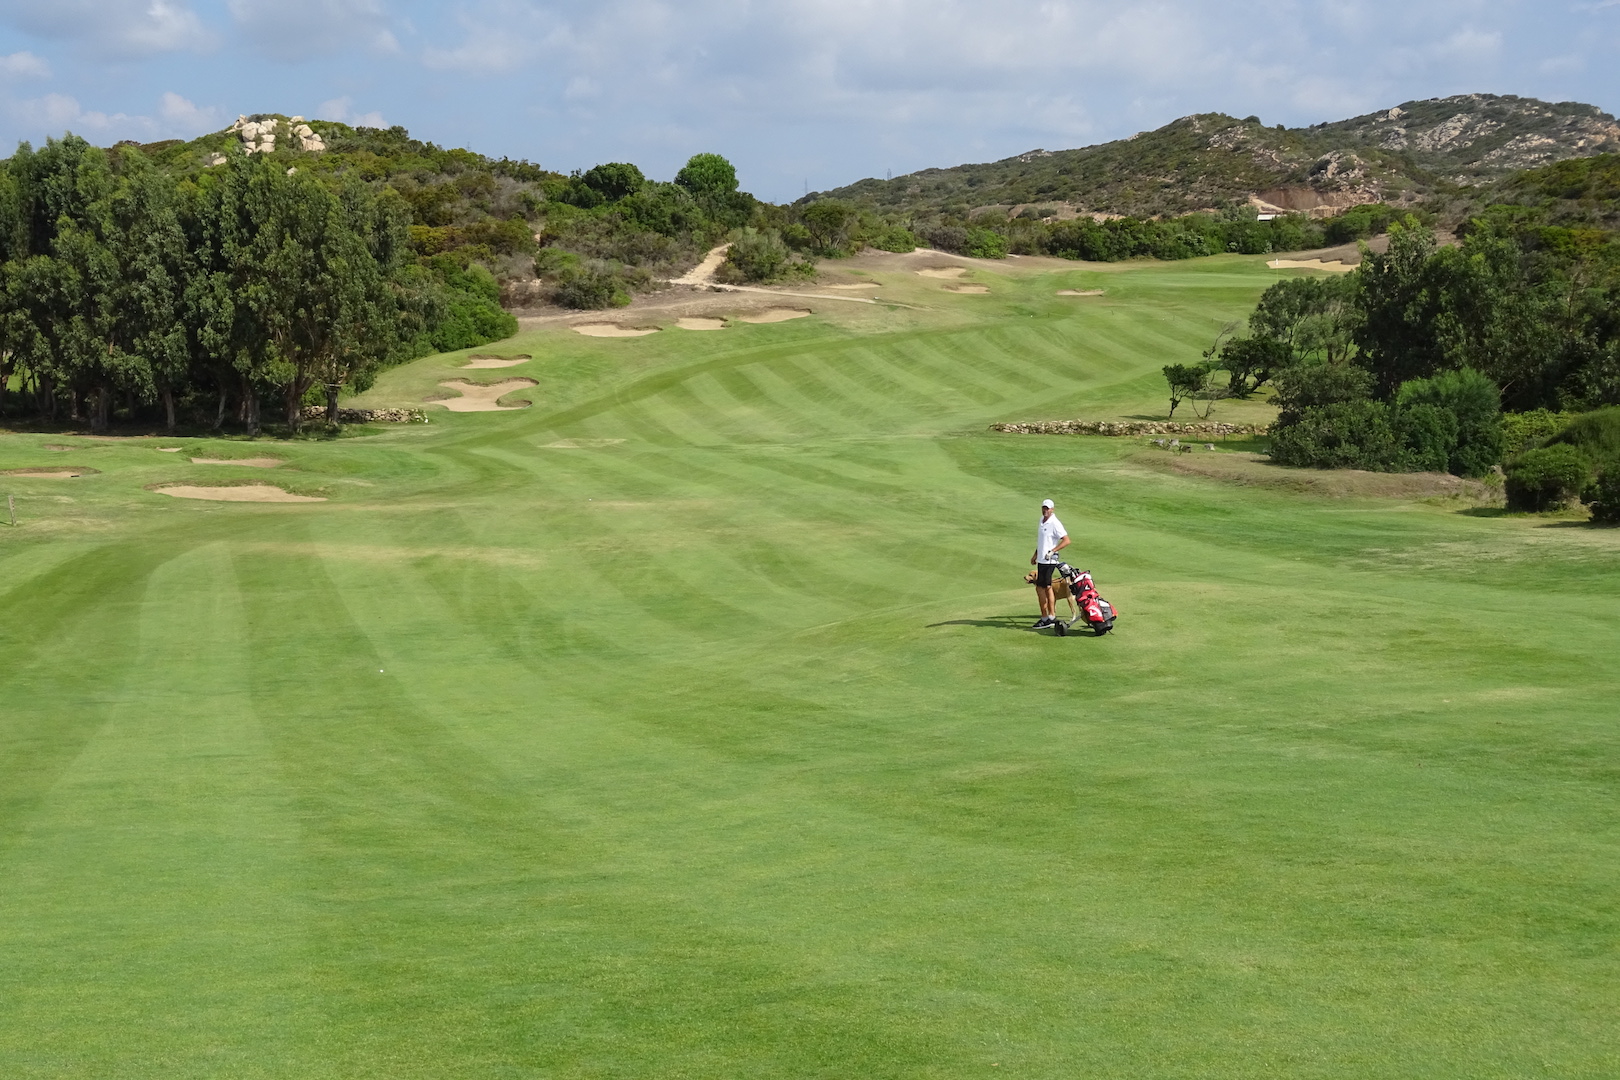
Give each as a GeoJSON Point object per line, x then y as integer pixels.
{"type": "Point", "coordinates": [184, 117]}
{"type": "Point", "coordinates": [342, 110]}
{"type": "Point", "coordinates": [125, 28]}
{"type": "Point", "coordinates": [24, 65]}
{"type": "Point", "coordinates": [299, 29]}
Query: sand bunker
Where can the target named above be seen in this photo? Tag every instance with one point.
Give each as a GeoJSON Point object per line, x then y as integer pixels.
{"type": "Point", "coordinates": [775, 314]}
{"type": "Point", "coordinates": [249, 462]}
{"type": "Point", "coordinates": [597, 329]}
{"type": "Point", "coordinates": [50, 474]}
{"type": "Point", "coordinates": [1335, 267]}
{"type": "Point", "coordinates": [254, 493]}
{"type": "Point", "coordinates": [1080, 292]}
{"type": "Point", "coordinates": [170, 449]}
{"type": "Point", "coordinates": [862, 285]}
{"type": "Point", "coordinates": [478, 397]}
{"type": "Point", "coordinates": [495, 361]}
{"type": "Point", "coordinates": [977, 290]}
{"type": "Point", "coordinates": [944, 271]}
{"type": "Point", "coordinates": [692, 322]}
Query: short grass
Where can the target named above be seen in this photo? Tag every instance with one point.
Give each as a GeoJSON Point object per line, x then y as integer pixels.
{"type": "Point", "coordinates": [688, 724]}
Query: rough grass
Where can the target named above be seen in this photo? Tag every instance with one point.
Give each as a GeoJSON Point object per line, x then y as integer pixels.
{"type": "Point", "coordinates": [724, 749]}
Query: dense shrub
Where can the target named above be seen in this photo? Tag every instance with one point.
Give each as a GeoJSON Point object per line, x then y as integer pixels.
{"type": "Point", "coordinates": [1428, 437]}
{"type": "Point", "coordinates": [1603, 495]}
{"type": "Point", "coordinates": [760, 256]}
{"type": "Point", "coordinates": [1546, 477]}
{"type": "Point", "coordinates": [1475, 403]}
{"type": "Point", "coordinates": [1597, 434]}
{"type": "Point", "coordinates": [1343, 435]}
{"type": "Point", "coordinates": [895, 238]}
{"type": "Point", "coordinates": [1310, 386]}
{"type": "Point", "coordinates": [982, 243]}
{"type": "Point", "coordinates": [1520, 431]}
{"type": "Point", "coordinates": [590, 288]}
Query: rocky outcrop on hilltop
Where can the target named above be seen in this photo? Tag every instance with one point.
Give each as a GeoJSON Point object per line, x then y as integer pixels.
{"type": "Point", "coordinates": [1399, 155]}
{"type": "Point", "coordinates": [259, 134]}
{"type": "Point", "coordinates": [1470, 137]}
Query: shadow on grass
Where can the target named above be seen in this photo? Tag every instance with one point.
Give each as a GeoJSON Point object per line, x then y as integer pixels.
{"type": "Point", "coordinates": [1021, 623]}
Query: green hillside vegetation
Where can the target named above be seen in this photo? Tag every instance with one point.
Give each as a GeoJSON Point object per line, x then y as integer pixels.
{"type": "Point", "coordinates": [1209, 160]}
{"type": "Point", "coordinates": [689, 723]}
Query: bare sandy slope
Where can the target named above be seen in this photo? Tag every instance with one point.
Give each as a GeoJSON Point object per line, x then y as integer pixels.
{"type": "Point", "coordinates": [1080, 292]}
{"type": "Point", "coordinates": [253, 493]}
{"type": "Point", "coordinates": [697, 322]}
{"type": "Point", "coordinates": [50, 474]}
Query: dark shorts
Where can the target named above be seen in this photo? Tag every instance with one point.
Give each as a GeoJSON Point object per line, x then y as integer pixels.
{"type": "Point", "coordinates": [1043, 575]}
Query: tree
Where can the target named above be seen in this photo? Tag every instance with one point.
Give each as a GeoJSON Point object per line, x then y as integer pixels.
{"type": "Point", "coordinates": [707, 174]}
{"type": "Point", "coordinates": [615, 180]}
{"type": "Point", "coordinates": [828, 221]}
{"type": "Point", "coordinates": [1400, 297]}
{"type": "Point", "coordinates": [1185, 380]}
{"type": "Point", "coordinates": [1250, 362]}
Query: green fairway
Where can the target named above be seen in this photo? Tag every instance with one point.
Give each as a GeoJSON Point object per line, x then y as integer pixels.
{"type": "Point", "coordinates": [688, 723]}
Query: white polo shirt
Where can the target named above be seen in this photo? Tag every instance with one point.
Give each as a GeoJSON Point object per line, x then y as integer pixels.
{"type": "Point", "coordinates": [1047, 535]}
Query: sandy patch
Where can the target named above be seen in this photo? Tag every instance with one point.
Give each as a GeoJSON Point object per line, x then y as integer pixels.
{"type": "Point", "coordinates": [50, 474]}
{"type": "Point", "coordinates": [943, 271]}
{"type": "Point", "coordinates": [1310, 264]}
{"type": "Point", "coordinates": [862, 285]}
{"type": "Point", "coordinates": [598, 329]}
{"type": "Point", "coordinates": [975, 290]}
{"type": "Point", "coordinates": [774, 315]}
{"type": "Point", "coordinates": [170, 449]}
{"type": "Point", "coordinates": [480, 397]}
{"type": "Point", "coordinates": [254, 493]}
{"type": "Point", "coordinates": [495, 361]}
{"type": "Point", "coordinates": [703, 272]}
{"type": "Point", "coordinates": [582, 444]}
{"type": "Point", "coordinates": [1080, 292]}
{"type": "Point", "coordinates": [694, 322]}
{"type": "Point", "coordinates": [248, 462]}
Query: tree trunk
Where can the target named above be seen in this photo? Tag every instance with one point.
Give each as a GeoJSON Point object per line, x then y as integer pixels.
{"type": "Point", "coordinates": [295, 405]}
{"type": "Point", "coordinates": [73, 405]}
{"type": "Point", "coordinates": [251, 410]}
{"type": "Point", "coordinates": [219, 417]}
{"type": "Point", "coordinates": [99, 420]}
{"type": "Point", "coordinates": [47, 403]}
{"type": "Point", "coordinates": [331, 403]}
{"type": "Point", "coordinates": [168, 409]}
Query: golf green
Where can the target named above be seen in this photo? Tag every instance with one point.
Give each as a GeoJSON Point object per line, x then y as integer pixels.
{"type": "Point", "coordinates": [689, 722]}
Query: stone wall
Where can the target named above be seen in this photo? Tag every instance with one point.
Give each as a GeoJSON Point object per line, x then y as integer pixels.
{"type": "Point", "coordinates": [1127, 427]}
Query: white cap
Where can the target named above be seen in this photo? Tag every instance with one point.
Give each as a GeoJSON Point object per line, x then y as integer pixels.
{"type": "Point", "coordinates": [1047, 505]}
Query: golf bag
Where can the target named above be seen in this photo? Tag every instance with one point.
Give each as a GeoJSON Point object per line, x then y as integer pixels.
{"type": "Point", "coordinates": [1098, 613]}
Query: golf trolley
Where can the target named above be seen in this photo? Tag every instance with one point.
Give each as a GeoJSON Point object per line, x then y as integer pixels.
{"type": "Point", "coordinates": [1098, 613]}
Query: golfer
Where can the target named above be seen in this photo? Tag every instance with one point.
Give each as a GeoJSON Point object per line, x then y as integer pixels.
{"type": "Point", "coordinates": [1050, 538]}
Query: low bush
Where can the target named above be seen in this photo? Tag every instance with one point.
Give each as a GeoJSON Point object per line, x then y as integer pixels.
{"type": "Point", "coordinates": [1603, 496]}
{"type": "Point", "coordinates": [1597, 434]}
{"type": "Point", "coordinates": [1475, 403]}
{"type": "Point", "coordinates": [1343, 435]}
{"type": "Point", "coordinates": [590, 288]}
{"type": "Point", "coordinates": [761, 256]}
{"type": "Point", "coordinates": [984, 244]}
{"type": "Point", "coordinates": [1520, 431]}
{"type": "Point", "coordinates": [896, 238]}
{"type": "Point", "coordinates": [1428, 437]}
{"type": "Point", "coordinates": [1546, 477]}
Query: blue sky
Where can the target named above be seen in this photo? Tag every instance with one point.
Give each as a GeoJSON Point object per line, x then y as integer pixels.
{"type": "Point", "coordinates": [797, 92]}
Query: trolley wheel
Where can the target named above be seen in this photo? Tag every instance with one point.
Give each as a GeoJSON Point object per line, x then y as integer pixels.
{"type": "Point", "coordinates": [1062, 629]}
